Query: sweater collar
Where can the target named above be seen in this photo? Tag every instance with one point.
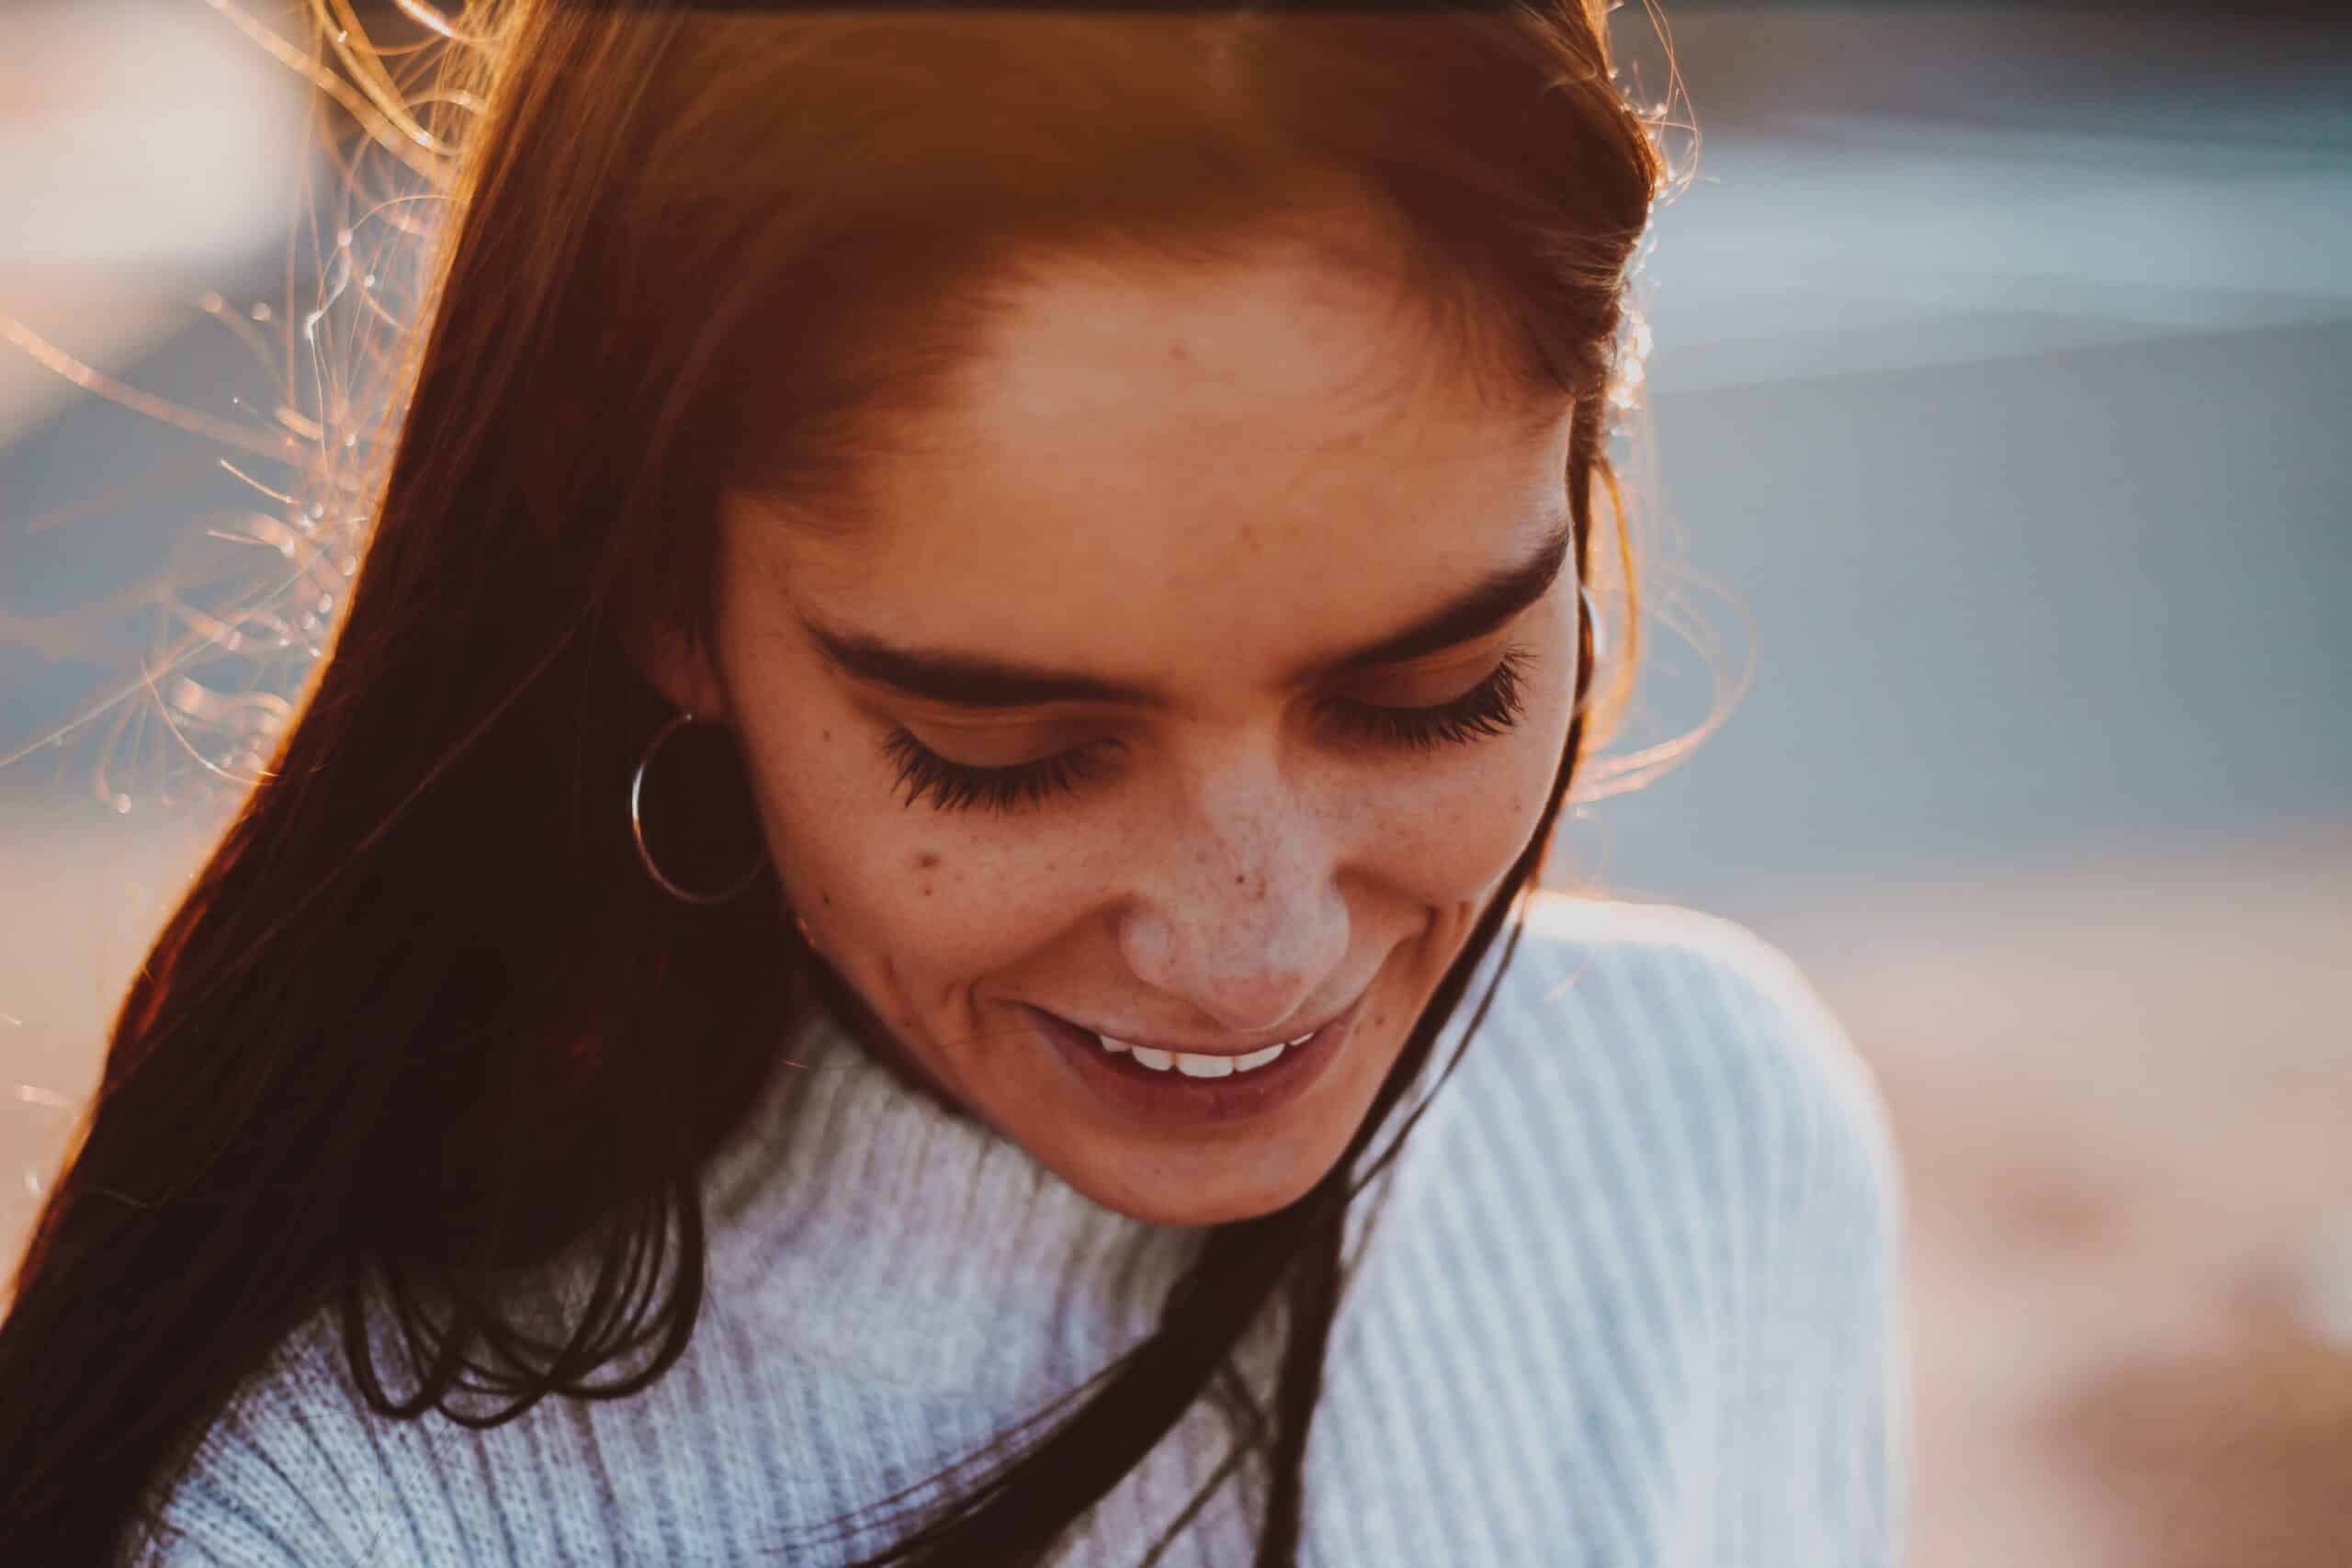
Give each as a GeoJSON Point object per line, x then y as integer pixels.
{"type": "Point", "coordinates": [859, 1224]}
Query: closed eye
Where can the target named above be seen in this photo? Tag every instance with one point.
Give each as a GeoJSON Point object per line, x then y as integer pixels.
{"type": "Point", "coordinates": [1493, 706]}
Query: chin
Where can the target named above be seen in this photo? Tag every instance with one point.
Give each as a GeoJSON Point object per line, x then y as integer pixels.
{"type": "Point", "coordinates": [1194, 1217]}
{"type": "Point", "coordinates": [1175, 1204]}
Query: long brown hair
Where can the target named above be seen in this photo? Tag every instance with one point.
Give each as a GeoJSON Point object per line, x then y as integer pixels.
{"type": "Point", "coordinates": [421, 1023]}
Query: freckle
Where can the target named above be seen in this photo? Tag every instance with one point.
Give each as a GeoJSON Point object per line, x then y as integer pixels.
{"type": "Point", "coordinates": [926, 859]}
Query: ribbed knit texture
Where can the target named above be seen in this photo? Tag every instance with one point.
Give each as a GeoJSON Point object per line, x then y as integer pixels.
{"type": "Point", "coordinates": [1633, 1300]}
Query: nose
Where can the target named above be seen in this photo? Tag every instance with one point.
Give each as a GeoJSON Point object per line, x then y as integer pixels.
{"type": "Point", "coordinates": [1237, 911]}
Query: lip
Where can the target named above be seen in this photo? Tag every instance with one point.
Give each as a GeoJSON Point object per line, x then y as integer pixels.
{"type": "Point", "coordinates": [1171, 1099]}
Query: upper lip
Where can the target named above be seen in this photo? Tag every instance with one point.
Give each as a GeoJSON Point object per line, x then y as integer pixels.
{"type": "Point", "coordinates": [1225, 1048]}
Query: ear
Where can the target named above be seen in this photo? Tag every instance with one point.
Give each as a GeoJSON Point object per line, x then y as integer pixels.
{"type": "Point", "coordinates": [681, 668]}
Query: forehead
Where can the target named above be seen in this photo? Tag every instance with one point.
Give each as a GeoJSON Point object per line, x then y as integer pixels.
{"type": "Point", "coordinates": [1162, 468]}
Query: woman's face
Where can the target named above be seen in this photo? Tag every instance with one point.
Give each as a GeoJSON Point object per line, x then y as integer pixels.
{"type": "Point", "coordinates": [1159, 696]}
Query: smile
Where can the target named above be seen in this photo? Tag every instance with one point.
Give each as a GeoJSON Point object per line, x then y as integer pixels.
{"type": "Point", "coordinates": [1167, 1085]}
{"type": "Point", "coordinates": [1194, 1066]}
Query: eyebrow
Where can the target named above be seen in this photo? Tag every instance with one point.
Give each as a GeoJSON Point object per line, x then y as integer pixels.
{"type": "Point", "coordinates": [985, 683]}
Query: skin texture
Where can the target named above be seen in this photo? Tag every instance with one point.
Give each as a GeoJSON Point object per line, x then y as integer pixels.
{"type": "Point", "coordinates": [1195, 480]}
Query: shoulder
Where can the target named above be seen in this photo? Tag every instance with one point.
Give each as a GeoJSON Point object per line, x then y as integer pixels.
{"type": "Point", "coordinates": [286, 1473]}
{"type": "Point", "coordinates": [1702, 1052]}
{"type": "Point", "coordinates": [1723, 1161]}
{"type": "Point", "coordinates": [304, 1467]}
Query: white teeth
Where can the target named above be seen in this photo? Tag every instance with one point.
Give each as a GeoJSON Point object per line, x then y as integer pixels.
{"type": "Point", "coordinates": [1193, 1065]}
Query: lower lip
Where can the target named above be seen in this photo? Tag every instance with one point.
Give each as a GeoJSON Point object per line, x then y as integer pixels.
{"type": "Point", "coordinates": [1171, 1099]}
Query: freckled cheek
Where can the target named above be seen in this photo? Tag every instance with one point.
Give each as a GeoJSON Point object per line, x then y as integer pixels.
{"type": "Point", "coordinates": [824, 828]}
{"type": "Point", "coordinates": [882, 884]}
{"type": "Point", "coordinates": [887, 886]}
{"type": "Point", "coordinates": [1455, 833]}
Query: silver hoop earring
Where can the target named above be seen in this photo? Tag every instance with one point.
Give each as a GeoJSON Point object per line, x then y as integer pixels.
{"type": "Point", "coordinates": [637, 828]}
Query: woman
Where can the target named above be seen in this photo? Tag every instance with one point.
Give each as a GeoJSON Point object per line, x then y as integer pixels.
{"type": "Point", "coordinates": [975, 627]}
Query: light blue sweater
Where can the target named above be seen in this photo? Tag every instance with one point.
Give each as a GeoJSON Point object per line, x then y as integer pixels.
{"type": "Point", "coordinates": [1632, 1301]}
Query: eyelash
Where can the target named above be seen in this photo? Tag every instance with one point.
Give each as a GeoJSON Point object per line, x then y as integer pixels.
{"type": "Point", "coordinates": [1492, 707]}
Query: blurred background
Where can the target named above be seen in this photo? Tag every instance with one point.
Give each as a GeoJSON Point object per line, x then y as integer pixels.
{"type": "Point", "coordinates": [1995, 461]}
